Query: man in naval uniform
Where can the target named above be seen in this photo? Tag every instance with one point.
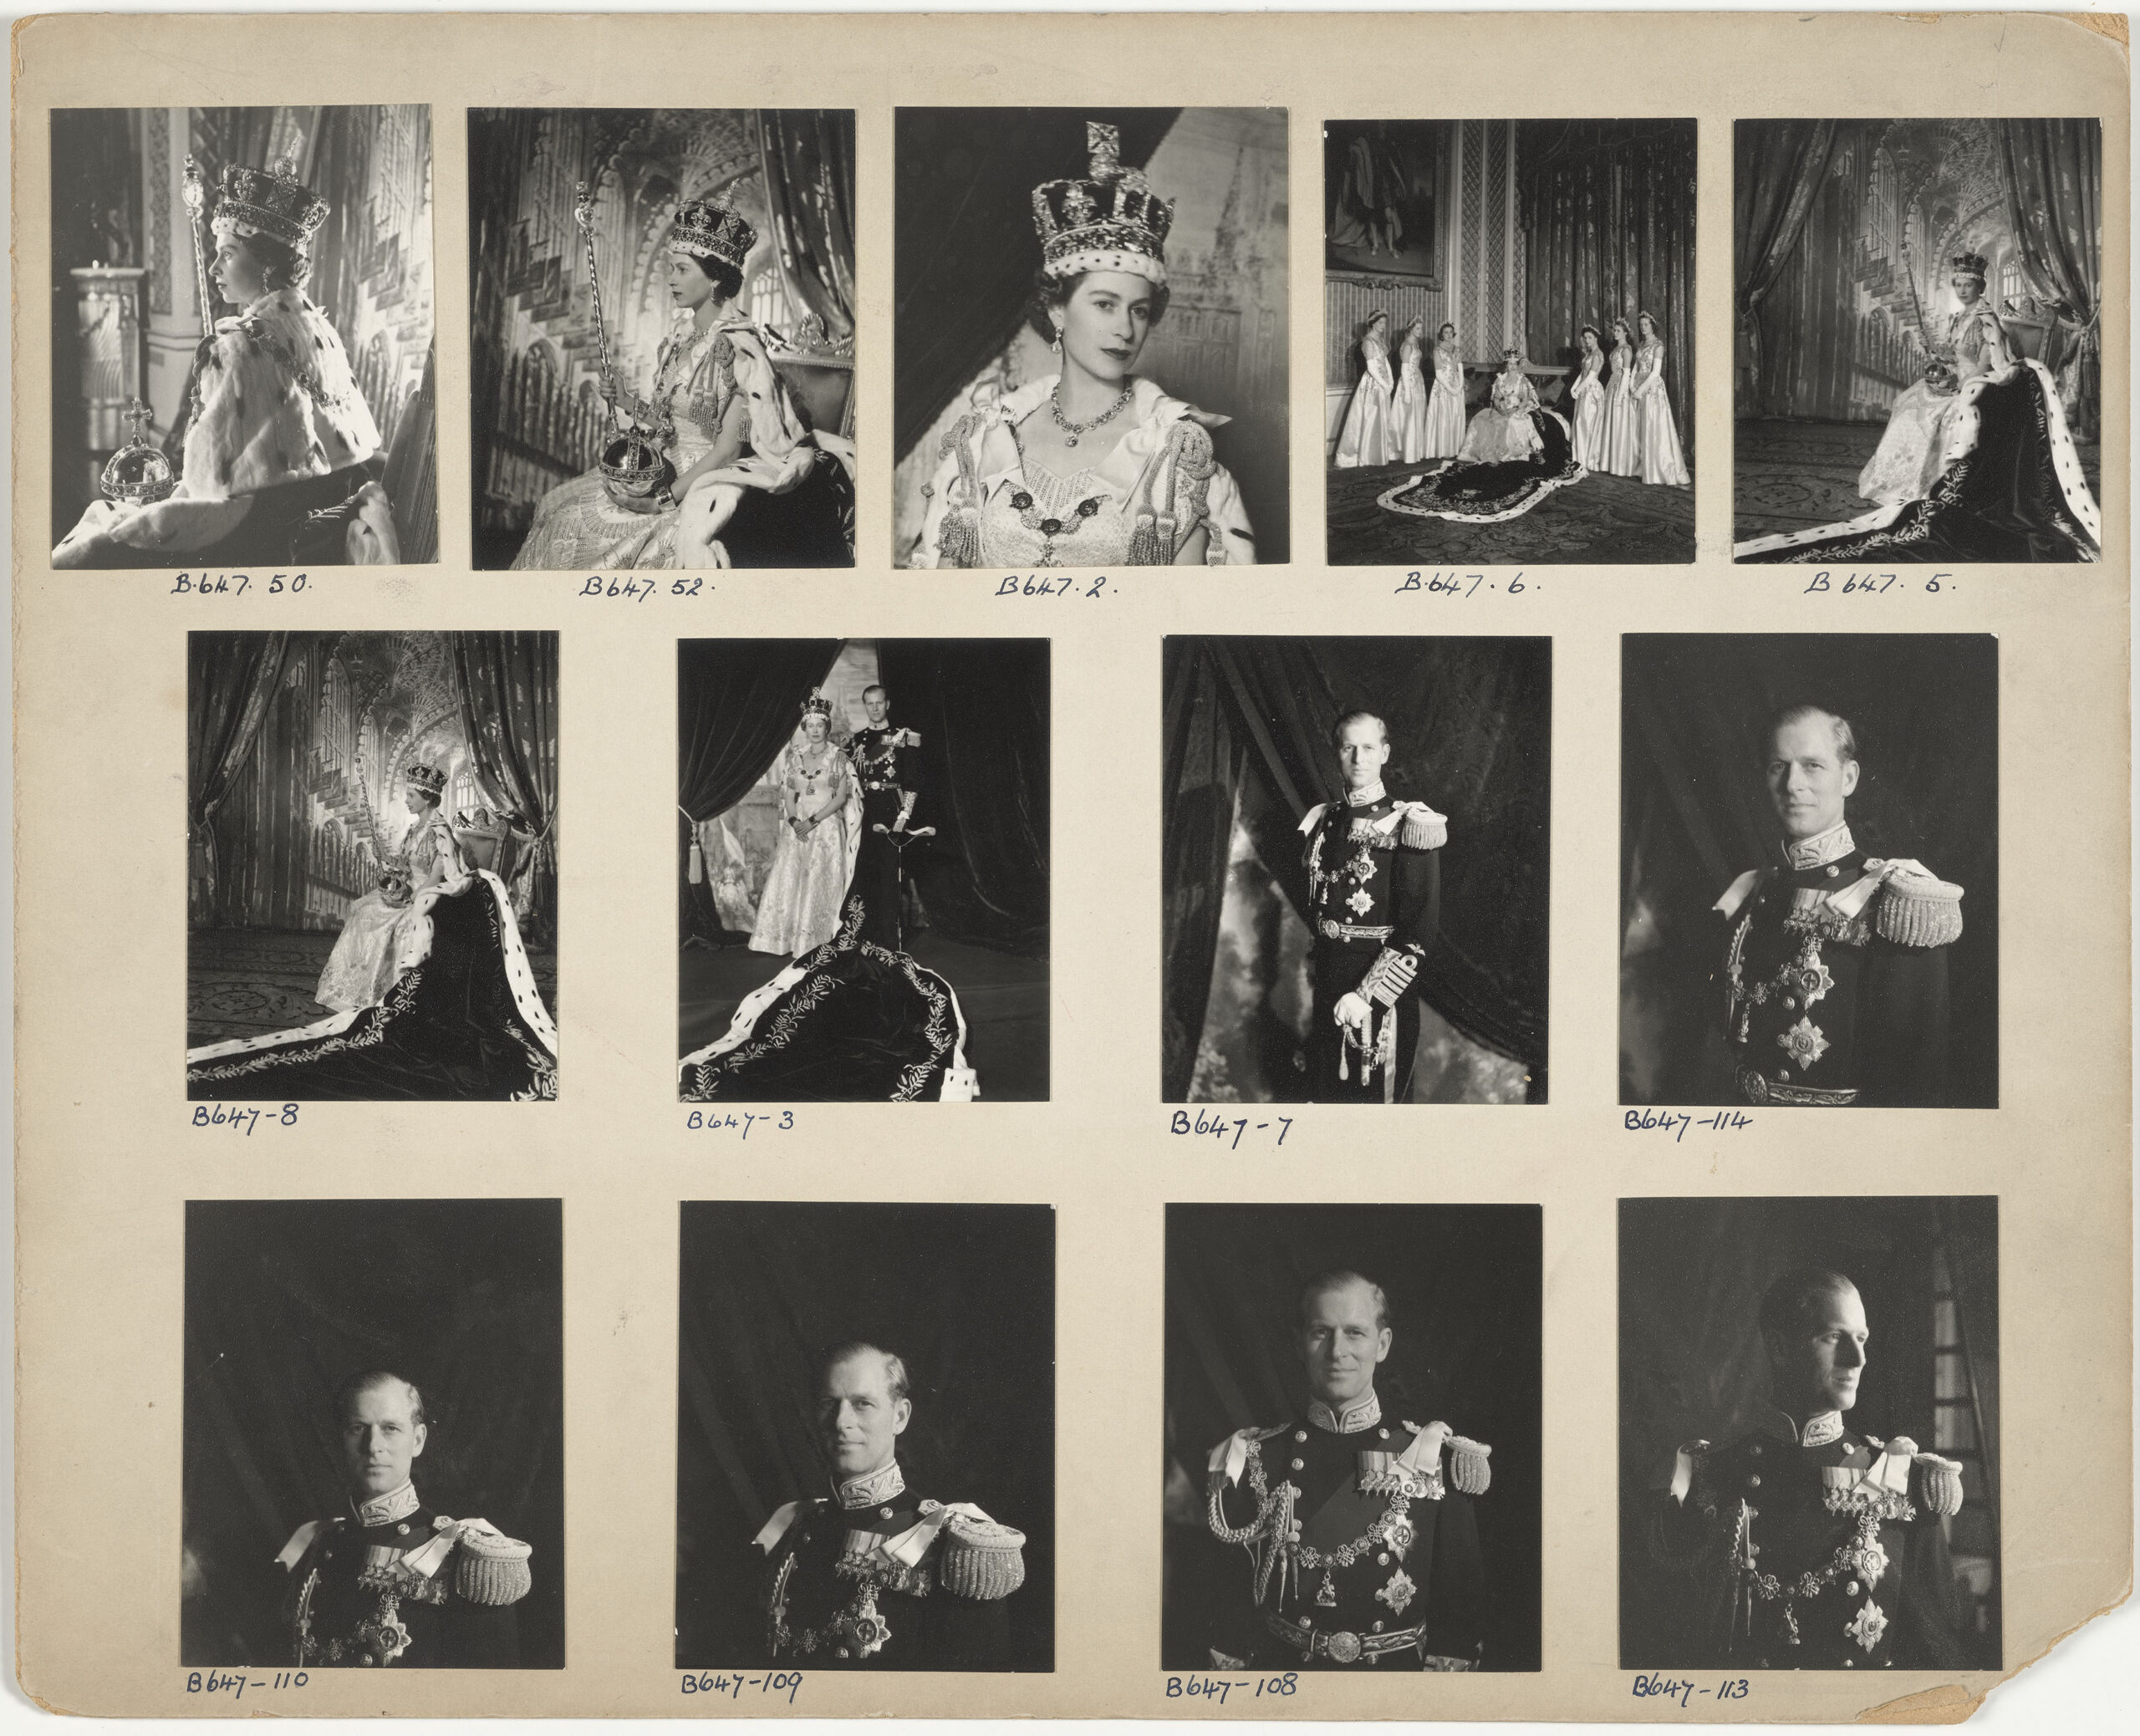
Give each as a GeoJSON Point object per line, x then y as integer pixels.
{"type": "Point", "coordinates": [1362, 1547]}
{"type": "Point", "coordinates": [391, 1582]}
{"type": "Point", "coordinates": [1835, 963]}
{"type": "Point", "coordinates": [886, 765]}
{"type": "Point", "coordinates": [872, 1577]}
{"type": "Point", "coordinates": [1374, 906]}
{"type": "Point", "coordinates": [1806, 1545]}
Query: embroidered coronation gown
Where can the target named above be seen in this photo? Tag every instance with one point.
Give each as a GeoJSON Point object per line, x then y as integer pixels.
{"type": "Point", "coordinates": [1503, 429]}
{"type": "Point", "coordinates": [1366, 438]}
{"type": "Point", "coordinates": [799, 908]}
{"type": "Point", "coordinates": [788, 500]}
{"type": "Point", "coordinates": [366, 957]}
{"type": "Point", "coordinates": [1515, 453]}
{"type": "Point", "coordinates": [1407, 410]}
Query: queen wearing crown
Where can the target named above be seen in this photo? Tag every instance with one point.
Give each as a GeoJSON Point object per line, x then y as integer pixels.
{"type": "Point", "coordinates": [1907, 462]}
{"type": "Point", "coordinates": [820, 835]}
{"type": "Point", "coordinates": [741, 479]}
{"type": "Point", "coordinates": [282, 455]}
{"type": "Point", "coordinates": [1092, 466]}
{"type": "Point", "coordinates": [368, 955]}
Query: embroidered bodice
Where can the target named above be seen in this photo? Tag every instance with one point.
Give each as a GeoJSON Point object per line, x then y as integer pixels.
{"type": "Point", "coordinates": [694, 382]}
{"type": "Point", "coordinates": [1513, 393]}
{"type": "Point", "coordinates": [1623, 362]}
{"type": "Point", "coordinates": [1449, 371]}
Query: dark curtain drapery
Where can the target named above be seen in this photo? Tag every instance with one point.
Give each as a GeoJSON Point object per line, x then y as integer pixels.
{"type": "Point", "coordinates": [737, 702]}
{"type": "Point", "coordinates": [1465, 1285]}
{"type": "Point", "coordinates": [2052, 174]}
{"type": "Point", "coordinates": [1471, 722]}
{"type": "Point", "coordinates": [809, 169]}
{"type": "Point", "coordinates": [964, 1294]}
{"type": "Point", "coordinates": [1692, 1364]}
{"type": "Point", "coordinates": [287, 1298]}
{"type": "Point", "coordinates": [981, 705]}
{"type": "Point", "coordinates": [967, 254]}
{"type": "Point", "coordinates": [231, 681]}
{"type": "Point", "coordinates": [1695, 814]}
{"type": "Point", "coordinates": [1607, 209]}
{"type": "Point", "coordinates": [1777, 169]}
{"type": "Point", "coordinates": [507, 686]}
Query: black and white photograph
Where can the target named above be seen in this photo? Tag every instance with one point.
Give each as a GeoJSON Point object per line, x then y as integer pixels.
{"type": "Point", "coordinates": [372, 866]}
{"type": "Point", "coordinates": [1356, 866]}
{"type": "Point", "coordinates": [865, 1437]}
{"type": "Point", "coordinates": [1809, 870]}
{"type": "Point", "coordinates": [662, 356]}
{"type": "Point", "coordinates": [1089, 337]}
{"type": "Point", "coordinates": [244, 367]}
{"type": "Point", "coordinates": [1809, 1433]}
{"type": "Point", "coordinates": [862, 870]}
{"type": "Point", "coordinates": [374, 1435]}
{"type": "Point", "coordinates": [1920, 355]}
{"type": "Point", "coordinates": [1352, 1438]}
{"type": "Point", "coordinates": [1508, 342]}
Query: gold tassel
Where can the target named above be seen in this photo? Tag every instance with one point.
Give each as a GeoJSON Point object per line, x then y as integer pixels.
{"type": "Point", "coordinates": [981, 1559]}
{"type": "Point", "coordinates": [1914, 912]}
{"type": "Point", "coordinates": [1467, 1465]}
{"type": "Point", "coordinates": [1942, 1484]}
{"type": "Point", "coordinates": [959, 541]}
{"type": "Point", "coordinates": [1419, 833]}
{"type": "Point", "coordinates": [698, 862]}
{"type": "Point", "coordinates": [1144, 544]}
{"type": "Point", "coordinates": [490, 1579]}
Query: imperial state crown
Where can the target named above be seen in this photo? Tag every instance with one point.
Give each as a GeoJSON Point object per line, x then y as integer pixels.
{"type": "Point", "coordinates": [1109, 220]}
{"type": "Point", "coordinates": [273, 203]}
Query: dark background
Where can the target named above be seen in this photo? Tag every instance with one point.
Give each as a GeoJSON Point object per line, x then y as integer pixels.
{"type": "Point", "coordinates": [1694, 814]}
{"type": "Point", "coordinates": [1248, 721]}
{"type": "Point", "coordinates": [1464, 1284]}
{"type": "Point", "coordinates": [284, 1301]}
{"type": "Point", "coordinates": [964, 1294]}
{"type": "Point", "coordinates": [1693, 1365]}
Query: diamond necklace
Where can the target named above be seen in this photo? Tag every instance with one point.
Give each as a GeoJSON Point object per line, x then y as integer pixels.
{"type": "Point", "coordinates": [1071, 430]}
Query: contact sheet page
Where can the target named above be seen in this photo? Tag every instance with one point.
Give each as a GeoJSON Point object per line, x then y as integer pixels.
{"type": "Point", "coordinates": [1150, 866]}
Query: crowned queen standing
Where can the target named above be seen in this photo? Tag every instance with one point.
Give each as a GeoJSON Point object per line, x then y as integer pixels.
{"type": "Point", "coordinates": [1094, 466]}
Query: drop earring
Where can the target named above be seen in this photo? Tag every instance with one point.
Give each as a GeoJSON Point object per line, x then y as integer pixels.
{"type": "Point", "coordinates": [1056, 343]}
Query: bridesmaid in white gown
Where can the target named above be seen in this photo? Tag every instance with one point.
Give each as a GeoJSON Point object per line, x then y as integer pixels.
{"type": "Point", "coordinates": [820, 819]}
{"type": "Point", "coordinates": [1620, 448]}
{"type": "Point", "coordinates": [1445, 403]}
{"type": "Point", "coordinates": [366, 960]}
{"type": "Point", "coordinates": [1662, 460]}
{"type": "Point", "coordinates": [1588, 393]}
{"type": "Point", "coordinates": [1409, 409]}
{"type": "Point", "coordinates": [1363, 442]}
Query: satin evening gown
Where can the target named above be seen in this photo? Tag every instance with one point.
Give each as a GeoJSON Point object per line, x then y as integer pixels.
{"type": "Point", "coordinates": [1620, 448]}
{"type": "Point", "coordinates": [1662, 460]}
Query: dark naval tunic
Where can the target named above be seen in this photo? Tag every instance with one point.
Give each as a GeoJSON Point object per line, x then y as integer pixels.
{"type": "Point", "coordinates": [1375, 905]}
{"type": "Point", "coordinates": [1835, 978]}
{"type": "Point", "coordinates": [395, 1584]}
{"type": "Point", "coordinates": [887, 766]}
{"type": "Point", "coordinates": [873, 1577]}
{"type": "Point", "coordinates": [1386, 1568]}
{"type": "Point", "coordinates": [1815, 1551]}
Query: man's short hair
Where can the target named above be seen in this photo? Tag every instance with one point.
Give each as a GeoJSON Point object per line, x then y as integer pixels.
{"type": "Point", "coordinates": [1337, 729]}
{"type": "Point", "coordinates": [1784, 1303]}
{"type": "Point", "coordinates": [894, 1368]}
{"type": "Point", "coordinates": [357, 1385]}
{"type": "Point", "coordinates": [1339, 1278]}
{"type": "Point", "coordinates": [1845, 737]}
{"type": "Point", "coordinates": [875, 687]}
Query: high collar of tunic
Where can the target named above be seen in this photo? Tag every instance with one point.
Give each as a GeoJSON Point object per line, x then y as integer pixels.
{"type": "Point", "coordinates": [1820, 849]}
{"type": "Point", "coordinates": [1817, 1431]}
{"type": "Point", "coordinates": [873, 1490]}
{"type": "Point", "coordinates": [1365, 798]}
{"type": "Point", "coordinates": [384, 1509]}
{"type": "Point", "coordinates": [1363, 1413]}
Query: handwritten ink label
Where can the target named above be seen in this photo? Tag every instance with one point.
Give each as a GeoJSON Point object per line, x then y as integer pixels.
{"type": "Point", "coordinates": [1229, 1133]}
{"type": "Point", "coordinates": [1825, 584]}
{"type": "Point", "coordinates": [238, 584]}
{"type": "Point", "coordinates": [243, 1121]}
{"type": "Point", "coordinates": [743, 1125]}
{"type": "Point", "coordinates": [1220, 1689]}
{"type": "Point", "coordinates": [774, 1683]}
{"type": "Point", "coordinates": [1054, 584]}
{"type": "Point", "coordinates": [1676, 1122]}
{"type": "Point", "coordinates": [1686, 1691]}
{"type": "Point", "coordinates": [627, 589]}
{"type": "Point", "coordinates": [234, 1683]}
{"type": "Point", "coordinates": [1464, 584]}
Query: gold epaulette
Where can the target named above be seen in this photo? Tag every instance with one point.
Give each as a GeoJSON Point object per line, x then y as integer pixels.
{"type": "Point", "coordinates": [490, 1567]}
{"type": "Point", "coordinates": [981, 1558]}
{"type": "Point", "coordinates": [1917, 909]}
{"type": "Point", "coordinates": [1423, 830]}
{"type": "Point", "coordinates": [1468, 1468]}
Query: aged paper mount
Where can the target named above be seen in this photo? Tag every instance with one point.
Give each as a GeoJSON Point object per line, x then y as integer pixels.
{"type": "Point", "coordinates": [108, 1157]}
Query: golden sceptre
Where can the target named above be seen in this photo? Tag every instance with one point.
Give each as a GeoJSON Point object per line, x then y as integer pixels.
{"type": "Point", "coordinates": [197, 202]}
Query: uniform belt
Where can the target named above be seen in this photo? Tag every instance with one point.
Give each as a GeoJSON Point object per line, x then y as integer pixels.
{"type": "Point", "coordinates": [1756, 1089]}
{"type": "Point", "coordinates": [1353, 931]}
{"type": "Point", "coordinates": [1342, 1647]}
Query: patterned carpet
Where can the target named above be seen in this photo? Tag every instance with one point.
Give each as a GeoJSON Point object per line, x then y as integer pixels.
{"type": "Point", "coordinates": [1600, 521]}
{"type": "Point", "coordinates": [1791, 476]}
{"type": "Point", "coordinates": [247, 982]}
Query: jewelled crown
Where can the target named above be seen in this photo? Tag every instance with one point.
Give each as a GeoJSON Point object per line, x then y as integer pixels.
{"type": "Point", "coordinates": [273, 203]}
{"type": "Point", "coordinates": [428, 780]}
{"type": "Point", "coordinates": [1108, 221]}
{"type": "Point", "coordinates": [1970, 265]}
{"type": "Point", "coordinates": [707, 229]}
{"type": "Point", "coordinates": [817, 705]}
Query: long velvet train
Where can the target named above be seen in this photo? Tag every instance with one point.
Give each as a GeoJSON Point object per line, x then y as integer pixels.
{"type": "Point", "coordinates": [1488, 493]}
